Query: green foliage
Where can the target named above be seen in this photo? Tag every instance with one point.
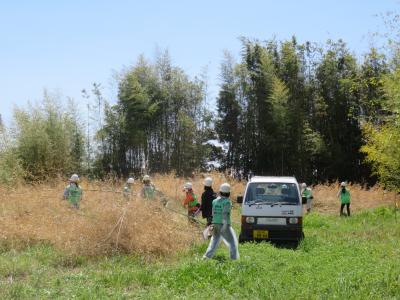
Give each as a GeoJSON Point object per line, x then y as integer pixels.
{"type": "Point", "coordinates": [11, 170]}
{"type": "Point", "coordinates": [290, 108]}
{"type": "Point", "coordinates": [340, 258]}
{"type": "Point", "coordinates": [314, 144]}
{"type": "Point", "coordinates": [48, 141]}
{"type": "Point", "coordinates": [372, 95]}
{"type": "Point", "coordinates": [158, 124]}
{"type": "Point", "coordinates": [383, 153]}
{"type": "Point", "coordinates": [337, 76]}
{"type": "Point", "coordinates": [10, 165]}
{"type": "Point", "coordinates": [229, 110]}
{"type": "Point", "coordinates": [382, 141]}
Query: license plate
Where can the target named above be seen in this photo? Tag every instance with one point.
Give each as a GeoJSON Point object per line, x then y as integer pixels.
{"type": "Point", "coordinates": [271, 221]}
{"type": "Point", "coordinates": [260, 234]}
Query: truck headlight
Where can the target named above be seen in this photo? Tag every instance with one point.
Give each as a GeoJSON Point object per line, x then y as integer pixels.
{"type": "Point", "coordinates": [293, 220]}
{"type": "Point", "coordinates": [250, 220]}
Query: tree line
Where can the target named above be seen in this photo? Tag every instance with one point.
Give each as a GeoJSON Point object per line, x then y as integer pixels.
{"type": "Point", "coordinates": [284, 108]}
{"type": "Point", "coordinates": [297, 109]}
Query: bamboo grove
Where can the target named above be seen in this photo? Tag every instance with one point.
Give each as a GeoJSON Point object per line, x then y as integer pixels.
{"type": "Point", "coordinates": [296, 109]}
{"type": "Point", "coordinates": [283, 108]}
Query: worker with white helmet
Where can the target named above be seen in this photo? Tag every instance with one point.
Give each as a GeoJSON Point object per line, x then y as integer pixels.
{"type": "Point", "coordinates": [221, 208]}
{"type": "Point", "coordinates": [73, 192]}
{"type": "Point", "coordinates": [344, 195]}
{"type": "Point", "coordinates": [206, 200]}
{"type": "Point", "coordinates": [148, 189]}
{"type": "Point", "coordinates": [190, 201]}
{"type": "Point", "coordinates": [306, 192]}
{"type": "Point", "coordinates": [128, 188]}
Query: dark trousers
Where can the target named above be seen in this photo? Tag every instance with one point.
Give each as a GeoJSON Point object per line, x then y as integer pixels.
{"type": "Point", "coordinates": [347, 207]}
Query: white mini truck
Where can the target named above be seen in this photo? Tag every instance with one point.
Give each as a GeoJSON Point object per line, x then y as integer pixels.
{"type": "Point", "coordinates": [271, 210]}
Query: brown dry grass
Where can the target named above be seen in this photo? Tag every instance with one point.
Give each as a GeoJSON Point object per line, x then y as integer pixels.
{"type": "Point", "coordinates": [107, 223]}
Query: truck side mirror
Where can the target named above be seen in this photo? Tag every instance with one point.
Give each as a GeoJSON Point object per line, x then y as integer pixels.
{"type": "Point", "coordinates": [304, 200]}
{"type": "Point", "coordinates": [239, 199]}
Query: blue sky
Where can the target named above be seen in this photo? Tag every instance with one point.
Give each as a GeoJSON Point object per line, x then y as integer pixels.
{"type": "Point", "coordinates": [65, 46]}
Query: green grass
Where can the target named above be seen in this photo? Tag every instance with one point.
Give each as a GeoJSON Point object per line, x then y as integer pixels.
{"type": "Point", "coordinates": [357, 257]}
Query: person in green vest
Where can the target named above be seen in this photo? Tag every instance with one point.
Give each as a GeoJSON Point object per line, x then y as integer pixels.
{"type": "Point", "coordinates": [148, 189]}
{"type": "Point", "coordinates": [221, 222]}
{"type": "Point", "coordinates": [306, 192]}
{"type": "Point", "coordinates": [344, 195]}
{"type": "Point", "coordinates": [73, 192]}
{"type": "Point", "coordinates": [128, 188]}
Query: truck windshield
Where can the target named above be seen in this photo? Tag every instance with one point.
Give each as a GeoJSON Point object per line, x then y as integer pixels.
{"type": "Point", "coordinates": [272, 193]}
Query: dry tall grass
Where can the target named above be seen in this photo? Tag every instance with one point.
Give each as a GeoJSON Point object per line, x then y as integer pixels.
{"type": "Point", "coordinates": [107, 223]}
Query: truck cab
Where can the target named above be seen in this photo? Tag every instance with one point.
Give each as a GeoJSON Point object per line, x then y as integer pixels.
{"type": "Point", "coordinates": [271, 210]}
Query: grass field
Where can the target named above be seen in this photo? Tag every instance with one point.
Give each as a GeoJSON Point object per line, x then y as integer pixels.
{"type": "Point", "coordinates": [357, 257]}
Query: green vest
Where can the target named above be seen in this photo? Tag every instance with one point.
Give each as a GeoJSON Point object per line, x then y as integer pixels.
{"type": "Point", "coordinates": [307, 193]}
{"type": "Point", "coordinates": [344, 197]}
{"type": "Point", "coordinates": [194, 202]}
{"type": "Point", "coordinates": [148, 191]}
{"type": "Point", "coordinates": [74, 193]}
{"type": "Point", "coordinates": [220, 206]}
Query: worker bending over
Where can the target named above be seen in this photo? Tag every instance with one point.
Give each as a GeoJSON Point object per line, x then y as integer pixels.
{"type": "Point", "coordinates": [190, 201]}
